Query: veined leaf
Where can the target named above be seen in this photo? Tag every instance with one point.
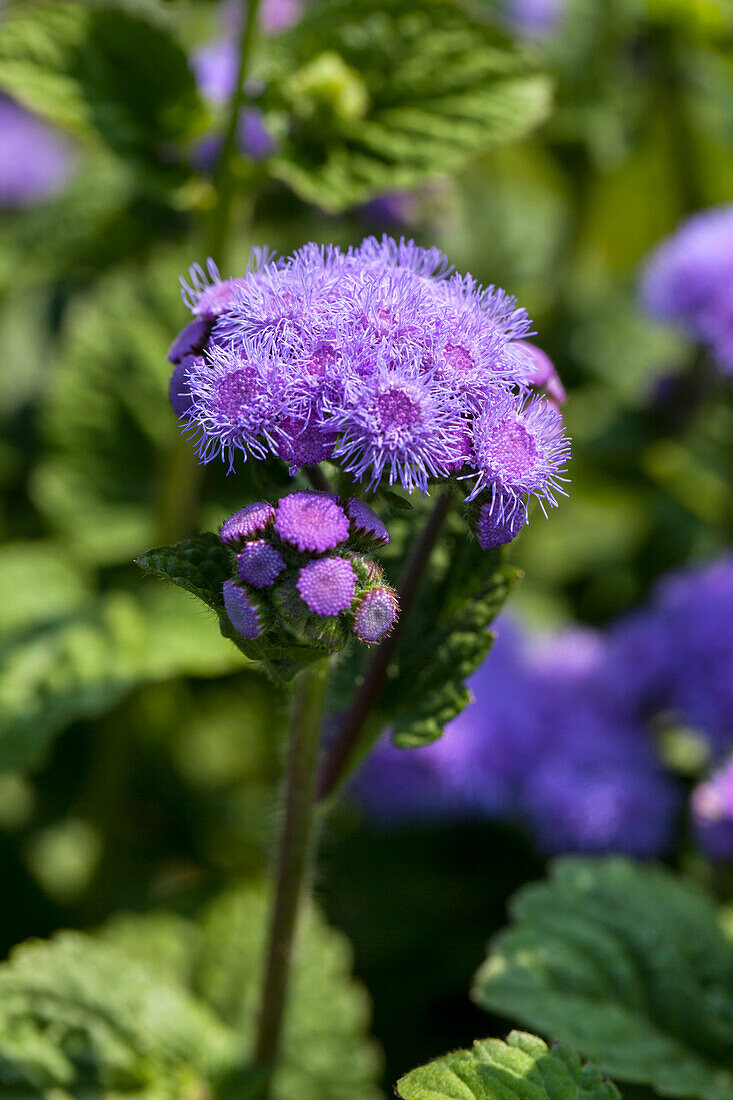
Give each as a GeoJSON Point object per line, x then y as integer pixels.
{"type": "Point", "coordinates": [629, 965]}
{"type": "Point", "coordinates": [161, 1007]}
{"type": "Point", "coordinates": [384, 94]}
{"type": "Point", "coordinates": [102, 71]}
{"type": "Point", "coordinates": [79, 1018]}
{"type": "Point", "coordinates": [82, 664]}
{"type": "Point", "coordinates": [522, 1068]}
{"type": "Point", "coordinates": [201, 565]}
{"type": "Point", "coordinates": [433, 673]}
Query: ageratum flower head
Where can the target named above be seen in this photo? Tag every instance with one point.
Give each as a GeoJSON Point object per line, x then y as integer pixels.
{"type": "Point", "coordinates": [687, 281]}
{"type": "Point", "coordinates": [300, 574]}
{"type": "Point", "coordinates": [379, 359]}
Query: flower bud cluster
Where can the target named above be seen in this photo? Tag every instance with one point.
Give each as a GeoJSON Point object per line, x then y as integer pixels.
{"type": "Point", "coordinates": [300, 574]}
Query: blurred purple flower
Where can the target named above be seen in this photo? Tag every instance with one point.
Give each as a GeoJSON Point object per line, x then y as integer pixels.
{"type": "Point", "coordinates": [36, 161]}
{"type": "Point", "coordinates": [539, 746]}
{"type": "Point", "coordinates": [535, 18]}
{"type": "Point", "coordinates": [687, 281]}
{"type": "Point", "coordinates": [712, 813]}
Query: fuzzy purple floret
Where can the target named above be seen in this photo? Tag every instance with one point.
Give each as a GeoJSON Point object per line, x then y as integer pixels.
{"type": "Point", "coordinates": [259, 564]}
{"type": "Point", "coordinates": [250, 520]}
{"type": "Point", "coordinates": [311, 522]}
{"type": "Point", "coordinates": [242, 611]}
{"type": "Point", "coordinates": [327, 585]}
{"type": "Point", "coordinates": [235, 402]}
{"type": "Point", "coordinates": [366, 522]}
{"type": "Point", "coordinates": [521, 452]}
{"type": "Point", "coordinates": [376, 614]}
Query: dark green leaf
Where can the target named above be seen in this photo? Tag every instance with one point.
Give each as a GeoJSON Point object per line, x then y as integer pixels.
{"type": "Point", "coordinates": [161, 1007]}
{"type": "Point", "coordinates": [522, 1068]}
{"type": "Point", "coordinates": [432, 676]}
{"type": "Point", "coordinates": [384, 94]}
{"type": "Point", "coordinates": [101, 71]}
{"type": "Point", "coordinates": [201, 565]}
{"type": "Point", "coordinates": [629, 965]}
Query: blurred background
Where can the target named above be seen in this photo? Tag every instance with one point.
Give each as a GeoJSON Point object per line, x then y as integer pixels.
{"type": "Point", "coordinates": [139, 756]}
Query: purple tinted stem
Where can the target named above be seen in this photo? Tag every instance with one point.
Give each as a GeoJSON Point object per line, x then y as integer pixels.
{"type": "Point", "coordinates": [346, 743]}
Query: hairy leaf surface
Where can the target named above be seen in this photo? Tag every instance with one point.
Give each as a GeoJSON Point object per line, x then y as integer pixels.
{"type": "Point", "coordinates": [627, 964]}
{"type": "Point", "coordinates": [162, 1007]}
{"type": "Point", "coordinates": [384, 94]}
{"type": "Point", "coordinates": [522, 1068]}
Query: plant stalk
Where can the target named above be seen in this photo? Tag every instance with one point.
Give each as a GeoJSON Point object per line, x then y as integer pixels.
{"type": "Point", "coordinates": [183, 476]}
{"type": "Point", "coordinates": [293, 859]}
{"type": "Point", "coordinates": [223, 180]}
{"type": "Point", "coordinates": [346, 743]}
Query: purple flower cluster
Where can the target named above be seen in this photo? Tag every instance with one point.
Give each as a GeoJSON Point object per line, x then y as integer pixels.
{"type": "Point", "coordinates": [688, 281]}
{"type": "Point", "coordinates": [541, 746]}
{"type": "Point", "coordinates": [36, 160]}
{"type": "Point", "coordinates": [381, 360]}
{"type": "Point", "coordinates": [562, 734]}
{"type": "Point", "coordinates": [299, 574]}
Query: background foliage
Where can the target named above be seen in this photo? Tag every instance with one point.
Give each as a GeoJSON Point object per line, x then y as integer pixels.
{"type": "Point", "coordinates": [139, 751]}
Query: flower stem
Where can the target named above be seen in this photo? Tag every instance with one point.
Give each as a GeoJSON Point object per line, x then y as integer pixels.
{"type": "Point", "coordinates": [293, 858]}
{"type": "Point", "coordinates": [224, 179]}
{"type": "Point", "coordinates": [345, 746]}
{"type": "Point", "coordinates": [178, 505]}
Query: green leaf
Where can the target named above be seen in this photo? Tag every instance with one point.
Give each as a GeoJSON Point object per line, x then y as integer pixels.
{"type": "Point", "coordinates": [38, 585]}
{"type": "Point", "coordinates": [201, 565]}
{"type": "Point", "coordinates": [108, 425]}
{"type": "Point", "coordinates": [101, 71]}
{"type": "Point", "coordinates": [162, 1007]}
{"type": "Point", "coordinates": [432, 678]}
{"type": "Point", "coordinates": [79, 1018]}
{"type": "Point", "coordinates": [384, 94]}
{"type": "Point", "coordinates": [83, 663]}
{"type": "Point", "coordinates": [522, 1068]}
{"type": "Point", "coordinates": [629, 965]}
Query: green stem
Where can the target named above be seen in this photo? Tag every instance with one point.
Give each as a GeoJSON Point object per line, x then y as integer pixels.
{"type": "Point", "coordinates": [293, 859]}
{"type": "Point", "coordinates": [224, 179]}
{"type": "Point", "coordinates": [178, 506]}
{"type": "Point", "coordinates": [346, 746]}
